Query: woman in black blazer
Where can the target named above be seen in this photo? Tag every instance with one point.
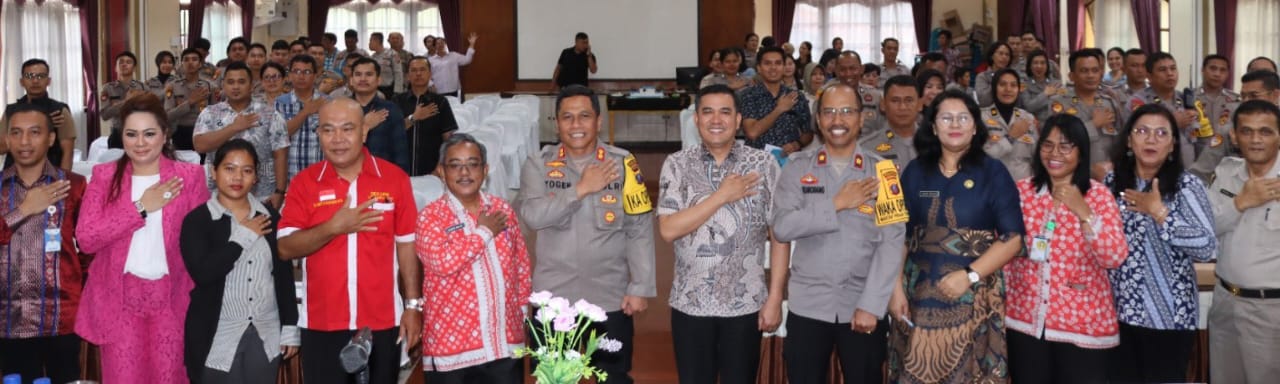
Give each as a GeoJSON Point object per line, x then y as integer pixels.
{"type": "Point", "coordinates": [243, 314]}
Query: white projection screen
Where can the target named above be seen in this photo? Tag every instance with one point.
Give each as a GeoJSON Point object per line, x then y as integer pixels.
{"type": "Point", "coordinates": [632, 39]}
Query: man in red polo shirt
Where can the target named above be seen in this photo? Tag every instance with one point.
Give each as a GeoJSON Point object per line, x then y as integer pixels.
{"type": "Point", "coordinates": [351, 218]}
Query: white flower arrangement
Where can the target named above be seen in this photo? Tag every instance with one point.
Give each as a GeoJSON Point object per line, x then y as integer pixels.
{"type": "Point", "coordinates": [558, 345]}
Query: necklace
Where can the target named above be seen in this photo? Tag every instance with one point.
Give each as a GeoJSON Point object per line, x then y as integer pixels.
{"type": "Point", "coordinates": [948, 173]}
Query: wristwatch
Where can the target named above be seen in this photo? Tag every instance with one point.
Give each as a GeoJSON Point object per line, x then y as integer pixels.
{"type": "Point", "coordinates": [414, 304]}
{"type": "Point", "coordinates": [141, 210]}
{"type": "Point", "coordinates": [974, 277]}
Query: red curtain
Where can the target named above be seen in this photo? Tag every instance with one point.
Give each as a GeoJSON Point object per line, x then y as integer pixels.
{"type": "Point", "coordinates": [1012, 17]}
{"type": "Point", "coordinates": [784, 12]}
{"type": "Point", "coordinates": [1224, 15]}
{"type": "Point", "coordinates": [922, 15]}
{"type": "Point", "coordinates": [1075, 24]}
{"type": "Point", "coordinates": [1146, 18]}
{"type": "Point", "coordinates": [1044, 20]}
{"type": "Point", "coordinates": [89, 52]}
{"type": "Point", "coordinates": [451, 21]}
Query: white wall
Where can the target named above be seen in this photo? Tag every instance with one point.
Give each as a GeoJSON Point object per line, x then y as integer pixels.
{"type": "Point", "coordinates": [1185, 38]}
{"type": "Point", "coordinates": [153, 37]}
{"type": "Point", "coordinates": [764, 18]}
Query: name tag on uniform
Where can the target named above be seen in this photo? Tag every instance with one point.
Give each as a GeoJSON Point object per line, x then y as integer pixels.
{"type": "Point", "coordinates": [813, 189]}
{"type": "Point", "coordinates": [52, 240]}
{"type": "Point", "coordinates": [384, 206]}
{"type": "Point", "coordinates": [929, 194]}
{"type": "Point", "coordinates": [1227, 193]}
{"type": "Point", "coordinates": [1039, 249]}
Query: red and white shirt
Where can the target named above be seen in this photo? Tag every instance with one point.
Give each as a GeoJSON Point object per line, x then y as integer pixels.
{"type": "Point", "coordinates": [1066, 298]}
{"type": "Point", "coordinates": [351, 281]}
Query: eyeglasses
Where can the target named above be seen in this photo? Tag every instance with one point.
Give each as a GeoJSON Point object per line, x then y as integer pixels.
{"type": "Point", "coordinates": [963, 119]}
{"type": "Point", "coordinates": [471, 166]}
{"type": "Point", "coordinates": [1161, 134]}
{"type": "Point", "coordinates": [272, 77]}
{"type": "Point", "coordinates": [843, 113]}
{"type": "Point", "coordinates": [1063, 148]}
{"type": "Point", "coordinates": [35, 76]}
{"type": "Point", "coordinates": [302, 72]}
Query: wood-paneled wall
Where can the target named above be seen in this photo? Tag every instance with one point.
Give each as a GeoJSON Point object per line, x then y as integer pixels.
{"type": "Point", "coordinates": [721, 23]}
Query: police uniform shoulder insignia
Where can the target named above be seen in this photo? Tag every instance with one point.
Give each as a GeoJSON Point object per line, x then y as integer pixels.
{"type": "Point", "coordinates": [822, 158]}
{"type": "Point", "coordinates": [1057, 107]}
{"type": "Point", "coordinates": [867, 98]}
{"type": "Point", "coordinates": [857, 161]}
{"type": "Point", "coordinates": [995, 138]}
{"type": "Point", "coordinates": [600, 153]}
{"type": "Point", "coordinates": [866, 209]}
{"type": "Point", "coordinates": [1216, 141]}
{"type": "Point", "coordinates": [560, 152]}
{"type": "Point", "coordinates": [994, 112]}
{"type": "Point", "coordinates": [555, 174]}
{"type": "Point", "coordinates": [809, 179]}
{"type": "Point", "coordinates": [555, 163]}
{"type": "Point", "coordinates": [1137, 103]}
{"type": "Point", "coordinates": [1224, 118]}
{"type": "Point", "coordinates": [635, 195]}
{"type": "Point", "coordinates": [1072, 111]}
{"type": "Point", "coordinates": [884, 147]}
{"type": "Point", "coordinates": [608, 199]}
{"type": "Point", "coordinates": [991, 123]}
{"type": "Point", "coordinates": [1075, 99]}
{"type": "Point", "coordinates": [610, 217]}
{"type": "Point", "coordinates": [888, 134]}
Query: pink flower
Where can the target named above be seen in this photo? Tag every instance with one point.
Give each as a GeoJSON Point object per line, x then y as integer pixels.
{"type": "Point", "coordinates": [540, 298]}
{"type": "Point", "coordinates": [592, 311]}
{"type": "Point", "coordinates": [559, 304]}
{"type": "Point", "coordinates": [565, 323]}
{"type": "Point", "coordinates": [546, 314]}
{"type": "Point", "coordinates": [609, 345]}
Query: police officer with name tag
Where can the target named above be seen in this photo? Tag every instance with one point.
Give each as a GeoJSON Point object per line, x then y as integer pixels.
{"type": "Point", "coordinates": [892, 138]}
{"type": "Point", "coordinates": [588, 205]}
{"type": "Point", "coordinates": [844, 265]}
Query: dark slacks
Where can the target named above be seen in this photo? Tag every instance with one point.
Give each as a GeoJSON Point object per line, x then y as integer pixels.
{"type": "Point", "coordinates": [1033, 360]}
{"type": "Point", "coordinates": [1148, 355]}
{"type": "Point", "coordinates": [617, 365]}
{"type": "Point", "coordinates": [710, 347]}
{"type": "Point", "coordinates": [55, 357]}
{"type": "Point", "coordinates": [501, 371]}
{"type": "Point", "coordinates": [321, 365]}
{"type": "Point", "coordinates": [250, 366]}
{"type": "Point", "coordinates": [807, 350]}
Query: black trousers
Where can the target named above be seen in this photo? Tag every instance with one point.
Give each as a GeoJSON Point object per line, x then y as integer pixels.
{"type": "Point", "coordinates": [807, 350]}
{"type": "Point", "coordinates": [617, 365]}
{"type": "Point", "coordinates": [183, 138]}
{"type": "Point", "coordinates": [1033, 360]}
{"type": "Point", "coordinates": [499, 371]}
{"type": "Point", "coordinates": [711, 347]}
{"type": "Point", "coordinates": [55, 357]}
{"type": "Point", "coordinates": [1148, 355]}
{"type": "Point", "coordinates": [320, 362]}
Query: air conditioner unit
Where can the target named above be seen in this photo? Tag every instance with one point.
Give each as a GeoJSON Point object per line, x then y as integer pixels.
{"type": "Point", "coordinates": [283, 19]}
{"type": "Point", "coordinates": [265, 12]}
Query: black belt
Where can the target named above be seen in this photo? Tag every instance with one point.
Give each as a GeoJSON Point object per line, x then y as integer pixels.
{"type": "Point", "coordinates": [1249, 293]}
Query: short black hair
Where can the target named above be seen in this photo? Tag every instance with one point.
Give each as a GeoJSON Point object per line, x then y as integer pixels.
{"type": "Point", "coordinates": [351, 33]}
{"type": "Point", "coordinates": [377, 69]}
{"type": "Point", "coordinates": [1253, 107]}
{"type": "Point", "coordinates": [160, 56]}
{"type": "Point", "coordinates": [768, 50]}
{"type": "Point", "coordinates": [279, 45]}
{"type": "Point", "coordinates": [1205, 62]}
{"type": "Point", "coordinates": [128, 54]}
{"type": "Point", "coordinates": [945, 32]}
{"type": "Point", "coordinates": [1134, 51]}
{"type": "Point", "coordinates": [933, 57]}
{"type": "Point", "coordinates": [887, 40]}
{"type": "Point", "coordinates": [305, 59]}
{"type": "Point", "coordinates": [901, 81]}
{"type": "Point", "coordinates": [929, 147]}
{"type": "Point", "coordinates": [238, 40]}
{"type": "Point", "coordinates": [578, 90]}
{"type": "Point", "coordinates": [837, 39]}
{"type": "Point", "coordinates": [960, 72]}
{"type": "Point", "coordinates": [191, 51]}
{"type": "Point", "coordinates": [870, 68]}
{"type": "Point", "coordinates": [459, 139]}
{"type": "Point", "coordinates": [203, 43]}
{"type": "Point", "coordinates": [315, 44]}
{"type": "Point", "coordinates": [749, 36]}
{"type": "Point", "coordinates": [423, 58]}
{"type": "Point", "coordinates": [991, 54]}
{"type": "Point", "coordinates": [301, 42]}
{"type": "Point", "coordinates": [1072, 129]}
{"type": "Point", "coordinates": [1125, 166]}
{"type": "Point", "coordinates": [716, 89]}
{"type": "Point", "coordinates": [1116, 50]}
{"type": "Point", "coordinates": [330, 36]}
{"type": "Point", "coordinates": [376, 36]}
{"type": "Point", "coordinates": [1263, 58]}
{"type": "Point", "coordinates": [258, 46]}
{"type": "Point", "coordinates": [1082, 54]}
{"type": "Point", "coordinates": [271, 64]}
{"type": "Point", "coordinates": [1033, 55]}
{"type": "Point", "coordinates": [1270, 80]}
{"type": "Point", "coordinates": [1156, 58]}
{"type": "Point", "coordinates": [580, 36]}
{"type": "Point", "coordinates": [237, 66]}
{"type": "Point", "coordinates": [31, 62]}
{"type": "Point", "coordinates": [232, 146]}
{"type": "Point", "coordinates": [17, 108]}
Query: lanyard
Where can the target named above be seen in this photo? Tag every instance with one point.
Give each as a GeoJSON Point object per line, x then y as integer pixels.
{"type": "Point", "coordinates": [1051, 223]}
{"type": "Point", "coordinates": [58, 207]}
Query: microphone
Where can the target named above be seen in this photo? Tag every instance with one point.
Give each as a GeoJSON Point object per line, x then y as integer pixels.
{"type": "Point", "coordinates": [355, 356]}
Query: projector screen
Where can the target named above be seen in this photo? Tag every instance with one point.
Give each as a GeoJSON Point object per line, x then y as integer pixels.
{"type": "Point", "coordinates": [632, 39]}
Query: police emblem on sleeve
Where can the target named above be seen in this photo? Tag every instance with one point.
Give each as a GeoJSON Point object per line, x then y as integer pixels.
{"type": "Point", "coordinates": [635, 197]}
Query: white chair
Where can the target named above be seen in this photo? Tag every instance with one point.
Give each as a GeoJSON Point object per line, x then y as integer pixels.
{"type": "Point", "coordinates": [688, 129]}
{"type": "Point", "coordinates": [491, 137]}
{"type": "Point", "coordinates": [96, 148]}
{"type": "Point", "coordinates": [514, 148]}
{"type": "Point", "coordinates": [112, 154]}
{"type": "Point", "coordinates": [471, 112]}
{"type": "Point", "coordinates": [77, 155]}
{"type": "Point", "coordinates": [452, 99]}
{"type": "Point", "coordinates": [187, 156]}
{"type": "Point", "coordinates": [484, 106]}
{"type": "Point", "coordinates": [426, 188]}
{"type": "Point", "coordinates": [83, 168]}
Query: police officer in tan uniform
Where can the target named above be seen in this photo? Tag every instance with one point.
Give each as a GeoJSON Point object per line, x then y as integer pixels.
{"type": "Point", "coordinates": [1087, 101]}
{"type": "Point", "coordinates": [849, 72]}
{"type": "Point", "coordinates": [1011, 130]}
{"type": "Point", "coordinates": [587, 202]}
{"type": "Point", "coordinates": [1162, 71]}
{"type": "Point", "coordinates": [1217, 103]}
{"type": "Point", "coordinates": [116, 92]}
{"type": "Point", "coordinates": [168, 65]}
{"type": "Point", "coordinates": [891, 138]}
{"type": "Point", "coordinates": [185, 98]}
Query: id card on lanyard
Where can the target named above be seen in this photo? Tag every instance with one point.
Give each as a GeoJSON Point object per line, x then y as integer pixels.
{"type": "Point", "coordinates": [1040, 243]}
{"type": "Point", "coordinates": [52, 229]}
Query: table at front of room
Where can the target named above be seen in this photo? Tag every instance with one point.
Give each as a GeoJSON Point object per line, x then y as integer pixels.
{"type": "Point", "coordinates": [661, 117]}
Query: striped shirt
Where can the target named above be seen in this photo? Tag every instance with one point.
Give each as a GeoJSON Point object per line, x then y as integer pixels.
{"type": "Point", "coordinates": [249, 296]}
{"type": "Point", "coordinates": [304, 148]}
